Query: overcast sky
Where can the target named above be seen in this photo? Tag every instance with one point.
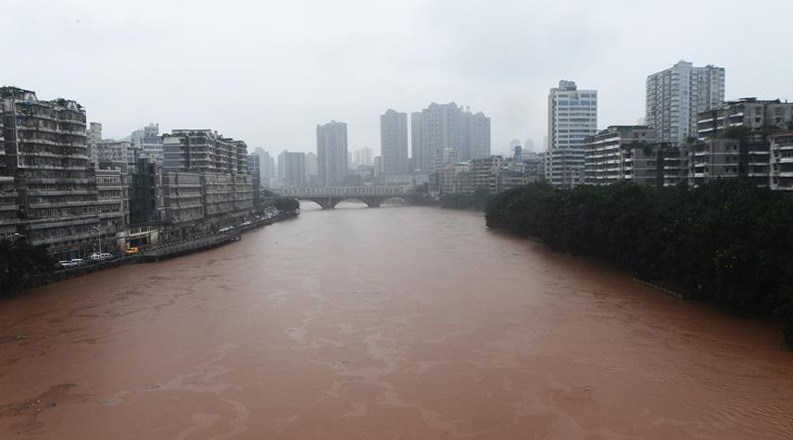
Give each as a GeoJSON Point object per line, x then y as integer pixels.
{"type": "Point", "coordinates": [267, 72]}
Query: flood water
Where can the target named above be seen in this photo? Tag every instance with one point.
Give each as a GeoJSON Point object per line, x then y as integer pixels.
{"type": "Point", "coordinates": [383, 323]}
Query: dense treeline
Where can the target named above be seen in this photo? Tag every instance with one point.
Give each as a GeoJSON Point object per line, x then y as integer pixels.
{"type": "Point", "coordinates": [727, 241]}
{"type": "Point", "coordinates": [478, 200]}
{"type": "Point", "coordinates": [19, 261]}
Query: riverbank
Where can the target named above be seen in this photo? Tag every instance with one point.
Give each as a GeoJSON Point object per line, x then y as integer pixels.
{"type": "Point", "coordinates": [156, 253]}
{"type": "Point", "coordinates": [728, 242]}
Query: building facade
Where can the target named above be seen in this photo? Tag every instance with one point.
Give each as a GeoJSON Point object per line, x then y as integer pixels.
{"type": "Point", "coordinates": [725, 158]}
{"type": "Point", "coordinates": [394, 142]}
{"type": "Point", "coordinates": [781, 167]}
{"type": "Point", "coordinates": [203, 151]}
{"type": "Point", "coordinates": [148, 141]}
{"type": "Point", "coordinates": [572, 116]}
{"type": "Point", "coordinates": [112, 207]}
{"type": "Point", "coordinates": [675, 96]}
{"type": "Point", "coordinates": [254, 170]}
{"type": "Point", "coordinates": [292, 169]}
{"type": "Point", "coordinates": [183, 204]}
{"type": "Point", "coordinates": [45, 152]}
{"type": "Point", "coordinates": [609, 155]}
{"type": "Point", "coordinates": [442, 126]}
{"type": "Point", "coordinates": [751, 113]}
{"type": "Point", "coordinates": [332, 153]}
{"type": "Point", "coordinates": [93, 136]}
{"type": "Point", "coordinates": [486, 173]}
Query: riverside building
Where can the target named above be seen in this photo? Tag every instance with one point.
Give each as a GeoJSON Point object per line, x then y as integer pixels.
{"type": "Point", "coordinates": [572, 116]}
{"type": "Point", "coordinates": [610, 155]}
{"type": "Point", "coordinates": [45, 153]}
{"type": "Point", "coordinates": [751, 113]}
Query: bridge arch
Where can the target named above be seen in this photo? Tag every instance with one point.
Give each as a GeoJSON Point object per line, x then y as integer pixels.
{"type": "Point", "coordinates": [372, 196]}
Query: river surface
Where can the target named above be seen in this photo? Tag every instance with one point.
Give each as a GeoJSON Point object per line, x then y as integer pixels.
{"type": "Point", "coordinates": [383, 323]}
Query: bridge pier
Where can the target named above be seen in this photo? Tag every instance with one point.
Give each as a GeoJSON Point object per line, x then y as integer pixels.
{"type": "Point", "coordinates": [372, 202]}
{"type": "Point", "coordinates": [325, 202]}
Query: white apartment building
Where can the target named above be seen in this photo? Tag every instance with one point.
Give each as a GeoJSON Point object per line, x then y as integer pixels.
{"type": "Point", "coordinates": [572, 116]}
{"type": "Point", "coordinates": [676, 95]}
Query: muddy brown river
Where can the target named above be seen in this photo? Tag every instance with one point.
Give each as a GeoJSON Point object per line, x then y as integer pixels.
{"type": "Point", "coordinates": [383, 323]}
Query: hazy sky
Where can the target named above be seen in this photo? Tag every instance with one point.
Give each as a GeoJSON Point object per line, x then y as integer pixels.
{"type": "Point", "coordinates": [267, 72]}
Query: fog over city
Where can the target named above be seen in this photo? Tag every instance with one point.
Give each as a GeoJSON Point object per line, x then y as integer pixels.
{"type": "Point", "coordinates": [268, 72]}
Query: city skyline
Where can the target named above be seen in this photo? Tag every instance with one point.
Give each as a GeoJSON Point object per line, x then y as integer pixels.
{"type": "Point", "coordinates": [430, 61]}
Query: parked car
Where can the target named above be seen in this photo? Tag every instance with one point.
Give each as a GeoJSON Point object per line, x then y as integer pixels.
{"type": "Point", "coordinates": [132, 251]}
{"type": "Point", "coordinates": [65, 264]}
{"type": "Point", "coordinates": [78, 261]}
{"type": "Point", "coordinates": [96, 256]}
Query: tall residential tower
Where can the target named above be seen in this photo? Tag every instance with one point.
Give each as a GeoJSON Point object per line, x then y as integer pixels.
{"type": "Point", "coordinates": [676, 95]}
{"type": "Point", "coordinates": [332, 153]}
{"type": "Point", "coordinates": [394, 142]}
{"type": "Point", "coordinates": [572, 116]}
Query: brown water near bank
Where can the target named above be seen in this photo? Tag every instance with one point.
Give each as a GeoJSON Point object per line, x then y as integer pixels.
{"type": "Point", "coordinates": [388, 323]}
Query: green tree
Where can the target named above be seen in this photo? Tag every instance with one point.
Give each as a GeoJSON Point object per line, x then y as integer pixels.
{"type": "Point", "coordinates": [286, 204]}
{"type": "Point", "coordinates": [19, 261]}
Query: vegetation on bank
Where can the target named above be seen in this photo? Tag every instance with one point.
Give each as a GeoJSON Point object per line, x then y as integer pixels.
{"type": "Point", "coordinates": [20, 261]}
{"type": "Point", "coordinates": [286, 204]}
{"type": "Point", "coordinates": [476, 201]}
{"type": "Point", "coordinates": [727, 241]}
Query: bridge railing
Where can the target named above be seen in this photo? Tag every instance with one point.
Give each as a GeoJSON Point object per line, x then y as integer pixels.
{"type": "Point", "coordinates": [349, 191]}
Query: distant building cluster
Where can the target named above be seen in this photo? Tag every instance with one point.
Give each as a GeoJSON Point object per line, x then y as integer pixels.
{"type": "Point", "coordinates": [64, 186]}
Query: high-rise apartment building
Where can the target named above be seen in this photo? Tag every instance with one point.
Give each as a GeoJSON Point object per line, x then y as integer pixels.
{"type": "Point", "coordinates": [332, 153]}
{"type": "Point", "coordinates": [676, 95]}
{"type": "Point", "coordinates": [476, 141]}
{"type": "Point", "coordinates": [254, 169]}
{"type": "Point", "coordinates": [292, 168]}
{"type": "Point", "coordinates": [362, 157]}
{"type": "Point", "coordinates": [93, 136]}
{"type": "Point", "coordinates": [267, 169]}
{"type": "Point", "coordinates": [44, 152]}
{"type": "Point", "coordinates": [572, 116]}
{"type": "Point", "coordinates": [312, 168]}
{"type": "Point", "coordinates": [416, 150]}
{"type": "Point", "coordinates": [221, 165]}
{"type": "Point", "coordinates": [442, 126]}
{"type": "Point", "coordinates": [394, 142]}
{"type": "Point", "coordinates": [203, 151]}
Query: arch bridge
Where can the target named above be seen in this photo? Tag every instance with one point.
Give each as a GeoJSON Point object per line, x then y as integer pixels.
{"type": "Point", "coordinates": [373, 196]}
